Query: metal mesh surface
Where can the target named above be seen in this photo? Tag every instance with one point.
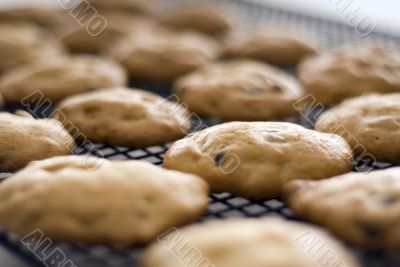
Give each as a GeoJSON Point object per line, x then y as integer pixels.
{"type": "Point", "coordinates": [329, 34]}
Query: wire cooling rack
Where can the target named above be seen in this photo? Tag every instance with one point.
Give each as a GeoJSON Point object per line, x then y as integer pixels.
{"type": "Point", "coordinates": [330, 35]}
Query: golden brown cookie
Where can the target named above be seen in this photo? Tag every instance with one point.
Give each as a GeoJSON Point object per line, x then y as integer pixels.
{"type": "Point", "coordinates": [209, 20]}
{"type": "Point", "coordinates": [281, 48]}
{"type": "Point", "coordinates": [81, 199]}
{"type": "Point", "coordinates": [247, 242]}
{"type": "Point", "coordinates": [119, 25]}
{"type": "Point", "coordinates": [62, 77]}
{"type": "Point", "coordinates": [24, 139]}
{"type": "Point", "coordinates": [21, 44]}
{"type": "Point", "coordinates": [49, 18]}
{"type": "Point", "coordinates": [255, 159]}
{"type": "Point", "coordinates": [125, 117]}
{"type": "Point", "coordinates": [239, 90]}
{"type": "Point", "coordinates": [162, 55]}
{"type": "Point", "coordinates": [331, 78]}
{"type": "Point", "coordinates": [370, 124]}
{"type": "Point", "coordinates": [361, 208]}
{"type": "Point", "coordinates": [132, 7]}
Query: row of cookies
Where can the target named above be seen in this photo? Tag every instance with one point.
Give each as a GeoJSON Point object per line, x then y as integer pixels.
{"type": "Point", "coordinates": [82, 199]}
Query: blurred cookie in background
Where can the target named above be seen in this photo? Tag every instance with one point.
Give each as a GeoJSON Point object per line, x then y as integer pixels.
{"type": "Point", "coordinates": [22, 43]}
{"type": "Point", "coordinates": [132, 7]}
{"type": "Point", "coordinates": [119, 25]}
{"type": "Point", "coordinates": [211, 20]}
{"type": "Point", "coordinates": [239, 90]}
{"type": "Point", "coordinates": [24, 139]}
{"type": "Point", "coordinates": [278, 47]}
{"type": "Point", "coordinates": [353, 71]}
{"type": "Point", "coordinates": [43, 16]}
{"type": "Point", "coordinates": [61, 77]}
{"type": "Point", "coordinates": [125, 117]}
{"type": "Point", "coordinates": [268, 242]}
{"type": "Point", "coordinates": [162, 55]}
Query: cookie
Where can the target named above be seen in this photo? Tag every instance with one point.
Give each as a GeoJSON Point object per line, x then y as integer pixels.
{"type": "Point", "coordinates": [21, 44]}
{"type": "Point", "coordinates": [1, 101]}
{"type": "Point", "coordinates": [240, 90]}
{"type": "Point", "coordinates": [82, 199]}
{"type": "Point", "coordinates": [24, 139]}
{"type": "Point", "coordinates": [247, 242]}
{"type": "Point", "coordinates": [125, 117]}
{"type": "Point", "coordinates": [46, 17]}
{"type": "Point", "coordinates": [331, 78]}
{"type": "Point", "coordinates": [255, 159]}
{"type": "Point", "coordinates": [280, 48]}
{"type": "Point", "coordinates": [61, 77]}
{"type": "Point", "coordinates": [361, 208]}
{"type": "Point", "coordinates": [79, 40]}
{"type": "Point", "coordinates": [162, 55]}
{"type": "Point", "coordinates": [370, 124]}
{"type": "Point", "coordinates": [132, 7]}
{"type": "Point", "coordinates": [209, 20]}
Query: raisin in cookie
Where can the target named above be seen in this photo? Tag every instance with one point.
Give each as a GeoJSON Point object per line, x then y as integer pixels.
{"type": "Point", "coordinates": [361, 208]}
{"type": "Point", "coordinates": [255, 159]}
{"type": "Point", "coordinates": [125, 117]}
{"type": "Point", "coordinates": [369, 123]}
{"type": "Point", "coordinates": [332, 78]}
{"type": "Point", "coordinates": [161, 55]}
{"type": "Point", "coordinates": [278, 48]}
{"type": "Point", "coordinates": [24, 43]}
{"type": "Point", "coordinates": [93, 200]}
{"type": "Point", "coordinates": [24, 139]}
{"type": "Point", "coordinates": [209, 20]}
{"type": "Point", "coordinates": [240, 90]}
{"type": "Point", "coordinates": [247, 242]}
{"type": "Point", "coordinates": [79, 40]}
{"type": "Point", "coordinates": [61, 77]}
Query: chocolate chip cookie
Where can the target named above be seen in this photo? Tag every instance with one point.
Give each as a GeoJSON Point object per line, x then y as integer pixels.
{"type": "Point", "coordinates": [240, 90]}
{"type": "Point", "coordinates": [59, 78]}
{"type": "Point", "coordinates": [91, 200]}
{"type": "Point", "coordinates": [370, 124]}
{"type": "Point", "coordinates": [125, 117]}
{"type": "Point", "coordinates": [331, 78]}
{"type": "Point", "coordinates": [24, 139]}
{"type": "Point", "coordinates": [361, 208]}
{"type": "Point", "coordinates": [255, 159]}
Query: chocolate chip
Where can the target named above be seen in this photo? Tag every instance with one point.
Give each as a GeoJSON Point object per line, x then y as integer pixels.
{"type": "Point", "coordinates": [219, 158]}
{"type": "Point", "coordinates": [276, 89]}
{"type": "Point", "coordinates": [389, 200]}
{"type": "Point", "coordinates": [370, 230]}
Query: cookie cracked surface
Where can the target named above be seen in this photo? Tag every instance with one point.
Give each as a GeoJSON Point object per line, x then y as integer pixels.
{"type": "Point", "coordinates": [255, 159]}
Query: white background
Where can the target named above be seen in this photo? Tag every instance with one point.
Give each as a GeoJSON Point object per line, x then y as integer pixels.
{"type": "Point", "coordinates": [384, 12]}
